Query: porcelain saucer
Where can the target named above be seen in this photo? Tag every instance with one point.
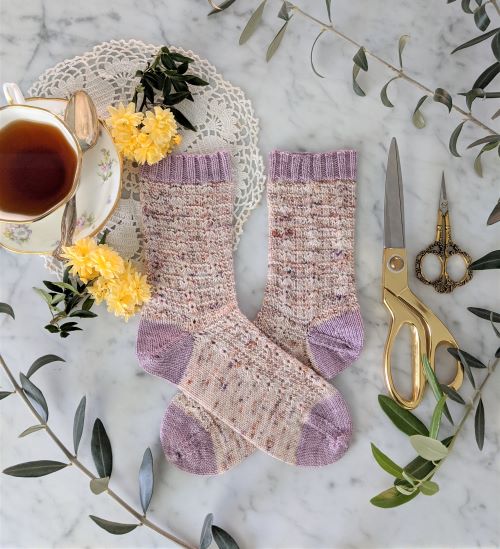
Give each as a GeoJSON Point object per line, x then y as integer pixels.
{"type": "Point", "coordinates": [96, 198]}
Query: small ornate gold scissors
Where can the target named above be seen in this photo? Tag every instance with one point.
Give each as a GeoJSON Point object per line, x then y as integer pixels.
{"type": "Point", "coordinates": [443, 248]}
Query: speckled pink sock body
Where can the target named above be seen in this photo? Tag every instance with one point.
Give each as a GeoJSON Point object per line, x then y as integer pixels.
{"type": "Point", "coordinates": [193, 334]}
{"type": "Point", "coordinates": [306, 191]}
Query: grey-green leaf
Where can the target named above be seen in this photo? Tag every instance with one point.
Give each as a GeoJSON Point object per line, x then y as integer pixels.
{"type": "Point", "coordinates": [311, 55]}
{"type": "Point", "coordinates": [479, 424]}
{"type": "Point", "coordinates": [454, 138]}
{"type": "Point", "coordinates": [487, 76]}
{"type": "Point", "coordinates": [146, 480]}
{"type": "Point", "coordinates": [403, 419]}
{"type": "Point", "coordinates": [116, 528]}
{"type": "Point", "coordinates": [466, 6]}
{"type": "Point", "coordinates": [6, 309]}
{"type": "Point", "coordinates": [39, 362]}
{"type": "Point", "coordinates": [476, 40]}
{"type": "Point", "coordinates": [358, 90]}
{"type": "Point", "coordinates": [386, 463]}
{"type": "Point", "coordinates": [442, 96]}
{"type": "Point", "coordinates": [206, 537]}
{"type": "Point", "coordinates": [417, 117]}
{"type": "Point", "coordinates": [478, 168]}
{"type": "Point", "coordinates": [5, 394]}
{"type": "Point", "coordinates": [44, 295]}
{"type": "Point", "coordinates": [222, 539]}
{"type": "Point", "coordinates": [452, 394]}
{"type": "Point", "coordinates": [34, 469]}
{"type": "Point", "coordinates": [284, 12]}
{"type": "Point", "coordinates": [435, 386]}
{"type": "Point", "coordinates": [99, 485]}
{"type": "Point", "coordinates": [429, 448]}
{"type": "Point", "coordinates": [496, 115]}
{"type": "Point", "coordinates": [78, 422]}
{"type": "Point", "coordinates": [488, 261]}
{"type": "Point", "coordinates": [101, 450]}
{"type": "Point", "coordinates": [429, 488]}
{"type": "Point", "coordinates": [253, 23]}
{"type": "Point", "coordinates": [360, 59]}
{"type": "Point", "coordinates": [495, 45]}
{"type": "Point", "coordinates": [35, 396]}
{"type": "Point", "coordinates": [494, 138]}
{"type": "Point", "coordinates": [329, 9]}
{"type": "Point", "coordinates": [275, 44]}
{"type": "Point", "coordinates": [32, 429]}
{"type": "Point", "coordinates": [403, 40]}
{"type": "Point", "coordinates": [82, 313]}
{"type": "Point", "coordinates": [436, 417]}
{"type": "Point", "coordinates": [391, 498]}
{"type": "Point", "coordinates": [481, 18]}
{"type": "Point", "coordinates": [383, 94]}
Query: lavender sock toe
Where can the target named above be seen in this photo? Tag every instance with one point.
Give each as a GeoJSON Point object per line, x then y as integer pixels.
{"type": "Point", "coordinates": [327, 433]}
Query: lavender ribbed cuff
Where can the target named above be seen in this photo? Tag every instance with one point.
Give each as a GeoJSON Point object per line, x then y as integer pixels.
{"type": "Point", "coordinates": [192, 169]}
{"type": "Point", "coordinates": [288, 166]}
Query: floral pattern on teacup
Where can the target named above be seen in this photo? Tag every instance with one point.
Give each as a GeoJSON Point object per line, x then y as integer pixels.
{"type": "Point", "coordinates": [105, 165]}
{"type": "Point", "coordinates": [17, 233]}
{"type": "Point", "coordinates": [84, 221]}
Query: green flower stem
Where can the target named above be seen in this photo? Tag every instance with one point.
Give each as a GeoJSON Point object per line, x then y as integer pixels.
{"type": "Point", "coordinates": [79, 465]}
{"type": "Point", "coordinates": [400, 72]}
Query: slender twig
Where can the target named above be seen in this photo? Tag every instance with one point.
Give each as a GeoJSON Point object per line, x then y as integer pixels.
{"type": "Point", "coordinates": [79, 465]}
{"type": "Point", "coordinates": [400, 72]}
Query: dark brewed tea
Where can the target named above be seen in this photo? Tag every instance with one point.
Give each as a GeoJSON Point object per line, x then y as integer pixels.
{"type": "Point", "coordinates": [37, 167]}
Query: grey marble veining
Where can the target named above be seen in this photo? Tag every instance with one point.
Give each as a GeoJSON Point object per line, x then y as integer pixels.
{"type": "Point", "coordinates": [264, 503]}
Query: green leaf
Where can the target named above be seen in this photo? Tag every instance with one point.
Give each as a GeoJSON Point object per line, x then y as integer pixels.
{"type": "Point", "coordinates": [479, 424]}
{"type": "Point", "coordinates": [181, 119]}
{"type": "Point", "coordinates": [488, 261]}
{"type": "Point", "coordinates": [466, 358]}
{"type": "Point", "coordinates": [284, 12]}
{"type": "Point", "coordinates": [275, 44]}
{"type": "Point", "coordinates": [454, 138]}
{"type": "Point", "coordinates": [436, 388]}
{"type": "Point", "coordinates": [221, 7]}
{"type": "Point", "coordinates": [39, 362]}
{"type": "Point", "coordinates": [311, 55]}
{"type": "Point", "coordinates": [476, 40]}
{"type": "Point", "coordinates": [403, 419]}
{"type": "Point", "coordinates": [418, 118]}
{"type": "Point", "coordinates": [495, 46]}
{"type": "Point", "coordinates": [472, 95]}
{"type": "Point", "coordinates": [403, 40]}
{"type": "Point", "coordinates": [6, 309]}
{"type": "Point", "coordinates": [386, 463]}
{"type": "Point", "coordinates": [478, 168]}
{"type": "Point", "coordinates": [78, 422]}
{"type": "Point", "coordinates": [51, 286]}
{"type": "Point", "coordinates": [87, 304]}
{"type": "Point", "coordinates": [452, 394]}
{"type": "Point", "coordinates": [223, 539]}
{"type": "Point", "coordinates": [383, 94]}
{"type": "Point", "coordinates": [487, 76]}
{"type": "Point", "coordinates": [82, 313]}
{"type": "Point", "coordinates": [34, 469]}
{"type": "Point", "coordinates": [44, 295]}
{"type": "Point", "coordinates": [429, 448]}
{"type": "Point", "coordinates": [481, 18]}
{"type": "Point", "coordinates": [466, 6]}
{"type": "Point", "coordinates": [442, 96]}
{"type": "Point", "coordinates": [146, 480]}
{"type": "Point", "coordinates": [5, 394]}
{"type": "Point", "coordinates": [99, 485]}
{"type": "Point", "coordinates": [35, 396]}
{"type": "Point", "coordinates": [253, 23]}
{"type": "Point", "coordinates": [116, 528]}
{"type": "Point", "coordinates": [360, 59]}
{"type": "Point", "coordinates": [32, 429]}
{"type": "Point", "coordinates": [358, 90]}
{"type": "Point", "coordinates": [429, 488]}
{"type": "Point", "coordinates": [436, 417]}
{"type": "Point", "coordinates": [101, 450]}
{"type": "Point", "coordinates": [206, 537]}
{"type": "Point", "coordinates": [51, 328]}
{"type": "Point", "coordinates": [391, 498]}
{"type": "Point", "coordinates": [329, 9]}
{"type": "Point", "coordinates": [66, 286]}
{"type": "Point", "coordinates": [495, 138]}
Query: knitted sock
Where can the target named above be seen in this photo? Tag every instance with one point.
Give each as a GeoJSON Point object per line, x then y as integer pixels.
{"type": "Point", "coordinates": [322, 199]}
{"type": "Point", "coordinates": [193, 334]}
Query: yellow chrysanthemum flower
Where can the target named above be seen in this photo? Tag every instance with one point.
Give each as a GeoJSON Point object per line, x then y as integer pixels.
{"type": "Point", "coordinates": [78, 258]}
{"type": "Point", "coordinates": [121, 116]}
{"type": "Point", "coordinates": [106, 261]}
{"type": "Point", "coordinates": [160, 125]}
{"type": "Point", "coordinates": [126, 141]}
{"type": "Point", "coordinates": [146, 150]}
{"type": "Point", "coordinates": [99, 289]}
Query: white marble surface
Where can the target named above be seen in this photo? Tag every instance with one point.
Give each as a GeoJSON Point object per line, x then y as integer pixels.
{"type": "Point", "coordinates": [265, 503]}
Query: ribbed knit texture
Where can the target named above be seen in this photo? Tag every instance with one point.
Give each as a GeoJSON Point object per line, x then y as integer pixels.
{"type": "Point", "coordinates": [324, 198]}
{"type": "Point", "coordinates": [193, 334]}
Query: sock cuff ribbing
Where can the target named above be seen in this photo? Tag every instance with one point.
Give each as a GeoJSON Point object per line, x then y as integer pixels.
{"type": "Point", "coordinates": [190, 169]}
{"type": "Point", "coordinates": [302, 167]}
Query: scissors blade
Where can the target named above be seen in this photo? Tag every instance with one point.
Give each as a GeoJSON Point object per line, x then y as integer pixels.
{"type": "Point", "coordinates": [394, 229]}
{"type": "Point", "coordinates": [443, 197]}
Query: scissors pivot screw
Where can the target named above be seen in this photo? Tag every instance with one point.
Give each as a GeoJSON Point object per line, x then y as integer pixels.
{"type": "Point", "coordinates": [396, 263]}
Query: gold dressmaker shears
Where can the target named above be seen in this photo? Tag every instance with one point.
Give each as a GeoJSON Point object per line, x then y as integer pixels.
{"type": "Point", "coordinates": [427, 331]}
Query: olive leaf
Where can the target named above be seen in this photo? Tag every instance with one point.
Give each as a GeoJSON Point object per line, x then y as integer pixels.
{"type": "Point", "coordinates": [5, 394]}
{"type": "Point", "coordinates": [466, 6]}
{"type": "Point", "coordinates": [284, 11]}
{"type": "Point", "coordinates": [206, 537]}
{"type": "Point", "coordinates": [487, 76]}
{"type": "Point", "coordinates": [275, 44]}
{"type": "Point", "coordinates": [6, 309]}
{"type": "Point", "coordinates": [454, 138]}
{"type": "Point", "coordinates": [99, 485]}
{"type": "Point", "coordinates": [485, 314]}
{"type": "Point", "coordinates": [429, 488]}
{"type": "Point", "coordinates": [488, 261]}
{"type": "Point", "coordinates": [403, 40]}
{"type": "Point", "coordinates": [442, 96]}
{"type": "Point", "coordinates": [403, 419]}
{"type": "Point", "coordinates": [495, 45]}
{"type": "Point", "coordinates": [435, 386]}
{"type": "Point", "coordinates": [358, 90]}
{"type": "Point", "coordinates": [392, 498]}
{"type": "Point", "coordinates": [383, 93]}
{"type": "Point", "coordinates": [488, 139]}
{"type": "Point", "coordinates": [465, 363]}
{"type": "Point", "coordinates": [146, 480]}
{"type": "Point", "coordinates": [452, 394]}
{"type": "Point", "coordinates": [360, 59]}
{"type": "Point", "coordinates": [78, 422]}
{"type": "Point", "coordinates": [436, 417]}
{"type": "Point", "coordinates": [481, 18]}
{"type": "Point", "coordinates": [472, 95]}
{"type": "Point", "coordinates": [32, 429]}
{"type": "Point", "coordinates": [35, 396]}
{"type": "Point", "coordinates": [479, 424]}
{"type": "Point", "coordinates": [101, 450]}
{"type": "Point", "coordinates": [34, 469]}
{"type": "Point", "coordinates": [476, 40]}
{"type": "Point", "coordinates": [429, 448]}
{"type": "Point", "coordinates": [116, 528]}
{"type": "Point", "coordinates": [417, 117]}
{"type": "Point", "coordinates": [386, 463]}
{"type": "Point", "coordinates": [223, 539]}
{"type": "Point", "coordinates": [312, 51]}
{"type": "Point", "coordinates": [253, 23]}
{"type": "Point", "coordinates": [329, 9]}
{"type": "Point", "coordinates": [478, 167]}
{"type": "Point", "coordinates": [39, 362]}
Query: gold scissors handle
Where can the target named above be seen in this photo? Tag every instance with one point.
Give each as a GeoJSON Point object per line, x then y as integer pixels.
{"type": "Point", "coordinates": [443, 248]}
{"type": "Point", "coordinates": [427, 331]}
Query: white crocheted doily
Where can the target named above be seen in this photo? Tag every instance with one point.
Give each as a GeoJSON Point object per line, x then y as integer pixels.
{"type": "Point", "coordinates": [224, 118]}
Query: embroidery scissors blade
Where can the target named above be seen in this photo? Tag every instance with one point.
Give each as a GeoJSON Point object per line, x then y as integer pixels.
{"type": "Point", "coordinates": [427, 331]}
{"type": "Point", "coordinates": [443, 248]}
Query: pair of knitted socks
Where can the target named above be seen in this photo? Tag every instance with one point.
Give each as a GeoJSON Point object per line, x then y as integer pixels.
{"type": "Point", "coordinates": [251, 385]}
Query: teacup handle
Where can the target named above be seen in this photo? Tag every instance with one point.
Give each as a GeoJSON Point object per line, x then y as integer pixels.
{"type": "Point", "coordinates": [13, 94]}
